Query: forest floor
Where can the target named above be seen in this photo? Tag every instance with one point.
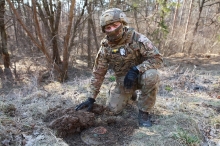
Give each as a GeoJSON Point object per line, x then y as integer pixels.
{"type": "Point", "coordinates": [36, 110]}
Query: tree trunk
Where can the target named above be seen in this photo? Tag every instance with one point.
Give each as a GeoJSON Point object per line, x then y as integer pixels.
{"type": "Point", "coordinates": [218, 8]}
{"type": "Point", "coordinates": [204, 23]}
{"type": "Point", "coordinates": [196, 25]}
{"type": "Point", "coordinates": [200, 12]}
{"type": "Point", "coordinates": [66, 43]}
{"type": "Point", "coordinates": [162, 22]}
{"type": "Point", "coordinates": [34, 40]}
{"type": "Point", "coordinates": [76, 26]}
{"type": "Point", "coordinates": [181, 13]}
{"type": "Point", "coordinates": [187, 24]}
{"type": "Point", "coordinates": [56, 54]}
{"type": "Point", "coordinates": [135, 19]}
{"type": "Point", "coordinates": [45, 22]}
{"type": "Point", "coordinates": [27, 18]}
{"type": "Point", "coordinates": [54, 25]}
{"type": "Point", "coordinates": [19, 30]}
{"type": "Point", "coordinates": [82, 39]}
{"type": "Point", "coordinates": [89, 38]}
{"type": "Point", "coordinates": [92, 25]}
{"type": "Point", "coordinates": [3, 36]}
{"type": "Point", "coordinates": [15, 29]}
{"type": "Point", "coordinates": [62, 70]}
{"type": "Point", "coordinates": [146, 8]}
{"type": "Point", "coordinates": [174, 18]}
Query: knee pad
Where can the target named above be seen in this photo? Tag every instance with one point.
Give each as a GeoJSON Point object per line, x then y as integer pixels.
{"type": "Point", "coordinates": [149, 77]}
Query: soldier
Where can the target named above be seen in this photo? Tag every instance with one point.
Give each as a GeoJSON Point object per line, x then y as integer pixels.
{"type": "Point", "coordinates": [135, 61]}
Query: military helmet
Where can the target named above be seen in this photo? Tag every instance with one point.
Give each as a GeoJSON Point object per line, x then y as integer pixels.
{"type": "Point", "coordinates": [112, 15]}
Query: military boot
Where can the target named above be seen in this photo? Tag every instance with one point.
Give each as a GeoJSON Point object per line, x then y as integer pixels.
{"type": "Point", "coordinates": [144, 119]}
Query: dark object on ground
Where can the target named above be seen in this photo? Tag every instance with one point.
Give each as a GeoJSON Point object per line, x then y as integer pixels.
{"type": "Point", "coordinates": [198, 87]}
{"type": "Point", "coordinates": [144, 119]}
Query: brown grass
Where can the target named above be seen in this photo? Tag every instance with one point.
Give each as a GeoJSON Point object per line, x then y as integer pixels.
{"type": "Point", "coordinates": [183, 114]}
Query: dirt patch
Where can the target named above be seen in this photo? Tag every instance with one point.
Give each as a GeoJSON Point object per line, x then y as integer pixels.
{"type": "Point", "coordinates": [92, 128]}
{"type": "Point", "coordinates": [67, 121]}
{"type": "Point", "coordinates": [116, 131]}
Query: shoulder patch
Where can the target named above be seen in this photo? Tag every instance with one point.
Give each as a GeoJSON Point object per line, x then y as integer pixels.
{"type": "Point", "coordinates": [143, 38]}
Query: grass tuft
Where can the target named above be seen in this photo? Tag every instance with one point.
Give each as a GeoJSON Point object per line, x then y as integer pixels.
{"type": "Point", "coordinates": [112, 78]}
{"type": "Point", "coordinates": [185, 137]}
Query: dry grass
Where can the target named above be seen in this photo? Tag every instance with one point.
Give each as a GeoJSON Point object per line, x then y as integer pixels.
{"type": "Point", "coordinates": [185, 115]}
{"type": "Point", "coordinates": [186, 112]}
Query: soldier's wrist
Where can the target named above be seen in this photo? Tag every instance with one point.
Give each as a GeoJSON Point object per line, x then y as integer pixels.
{"type": "Point", "coordinates": [138, 69]}
{"type": "Point", "coordinates": [91, 99]}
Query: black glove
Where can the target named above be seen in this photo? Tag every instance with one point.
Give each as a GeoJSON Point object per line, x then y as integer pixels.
{"type": "Point", "coordinates": [130, 77]}
{"type": "Point", "coordinates": [89, 102]}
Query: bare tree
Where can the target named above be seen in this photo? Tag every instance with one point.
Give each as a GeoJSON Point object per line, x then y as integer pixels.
{"type": "Point", "coordinates": [135, 18]}
{"type": "Point", "coordinates": [66, 43]}
{"type": "Point", "coordinates": [161, 23]}
{"type": "Point", "coordinates": [201, 4]}
{"type": "Point", "coordinates": [146, 8]}
{"type": "Point", "coordinates": [187, 25]}
{"type": "Point", "coordinates": [174, 18]}
{"type": "Point", "coordinates": [89, 36]}
{"type": "Point", "coordinates": [93, 27]}
{"type": "Point", "coordinates": [181, 12]}
{"type": "Point", "coordinates": [40, 42]}
{"type": "Point", "coordinates": [77, 23]}
{"type": "Point", "coordinates": [219, 7]}
{"type": "Point", "coordinates": [52, 27]}
{"type": "Point", "coordinates": [3, 36]}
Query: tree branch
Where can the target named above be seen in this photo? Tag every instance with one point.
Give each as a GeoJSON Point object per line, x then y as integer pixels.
{"type": "Point", "coordinates": [212, 4]}
{"type": "Point", "coordinates": [22, 24]}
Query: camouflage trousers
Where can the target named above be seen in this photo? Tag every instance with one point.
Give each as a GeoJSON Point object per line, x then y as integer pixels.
{"type": "Point", "coordinates": [148, 83]}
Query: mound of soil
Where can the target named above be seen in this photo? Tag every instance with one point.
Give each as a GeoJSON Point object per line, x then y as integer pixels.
{"type": "Point", "coordinates": [95, 128]}
{"type": "Point", "coordinates": [68, 121]}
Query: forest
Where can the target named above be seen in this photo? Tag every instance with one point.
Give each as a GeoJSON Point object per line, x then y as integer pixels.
{"type": "Point", "coordinates": [48, 49]}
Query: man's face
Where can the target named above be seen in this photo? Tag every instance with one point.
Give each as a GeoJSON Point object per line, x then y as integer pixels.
{"type": "Point", "coordinates": [112, 26]}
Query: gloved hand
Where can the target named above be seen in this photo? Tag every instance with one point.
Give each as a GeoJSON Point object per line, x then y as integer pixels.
{"type": "Point", "coordinates": [88, 103]}
{"type": "Point", "coordinates": [130, 77]}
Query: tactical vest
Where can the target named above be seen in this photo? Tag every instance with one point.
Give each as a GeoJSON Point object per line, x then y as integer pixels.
{"type": "Point", "coordinates": [123, 55]}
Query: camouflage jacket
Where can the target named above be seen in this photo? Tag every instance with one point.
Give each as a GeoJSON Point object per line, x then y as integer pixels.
{"type": "Point", "coordinates": [134, 49]}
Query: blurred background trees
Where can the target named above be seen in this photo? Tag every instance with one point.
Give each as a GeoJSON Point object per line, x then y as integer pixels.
{"type": "Point", "coordinates": [58, 31]}
{"type": "Point", "coordinates": [3, 37]}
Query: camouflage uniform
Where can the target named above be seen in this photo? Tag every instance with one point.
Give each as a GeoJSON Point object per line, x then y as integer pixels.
{"type": "Point", "coordinates": [134, 49]}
